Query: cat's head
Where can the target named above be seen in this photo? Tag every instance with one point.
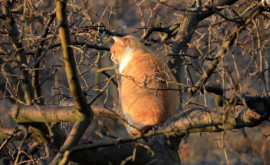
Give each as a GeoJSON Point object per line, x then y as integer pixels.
{"type": "Point", "coordinates": [122, 44]}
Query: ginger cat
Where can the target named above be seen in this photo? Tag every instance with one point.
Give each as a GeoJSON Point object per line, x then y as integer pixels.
{"type": "Point", "coordinates": [143, 88]}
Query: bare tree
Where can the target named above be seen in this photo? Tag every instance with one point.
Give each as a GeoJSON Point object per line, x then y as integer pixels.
{"type": "Point", "coordinates": [56, 70]}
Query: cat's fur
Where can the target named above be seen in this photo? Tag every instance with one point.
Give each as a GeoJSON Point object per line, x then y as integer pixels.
{"type": "Point", "coordinates": [143, 96]}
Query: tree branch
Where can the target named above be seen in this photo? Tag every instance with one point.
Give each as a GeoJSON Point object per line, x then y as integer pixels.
{"type": "Point", "coordinates": [162, 141]}
{"type": "Point", "coordinates": [188, 24]}
{"type": "Point", "coordinates": [35, 80]}
{"type": "Point", "coordinates": [194, 120]}
{"type": "Point", "coordinates": [15, 35]}
{"type": "Point", "coordinates": [170, 31]}
{"type": "Point", "coordinates": [221, 53]}
{"type": "Point", "coordinates": [26, 114]}
{"type": "Point", "coordinates": [13, 133]}
{"type": "Point", "coordinates": [84, 113]}
{"type": "Point", "coordinates": [83, 44]}
{"type": "Point", "coordinates": [40, 130]}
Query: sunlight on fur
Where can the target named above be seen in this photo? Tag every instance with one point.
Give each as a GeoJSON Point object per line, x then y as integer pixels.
{"type": "Point", "coordinates": [146, 96]}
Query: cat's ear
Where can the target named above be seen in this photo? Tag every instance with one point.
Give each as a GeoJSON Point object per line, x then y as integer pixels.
{"type": "Point", "coordinates": [120, 40]}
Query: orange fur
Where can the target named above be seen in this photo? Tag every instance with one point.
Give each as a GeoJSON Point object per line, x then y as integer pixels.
{"type": "Point", "coordinates": [143, 96]}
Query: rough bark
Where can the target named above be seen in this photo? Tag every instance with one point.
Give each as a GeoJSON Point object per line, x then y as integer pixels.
{"type": "Point", "coordinates": [164, 143]}
{"type": "Point", "coordinates": [161, 146]}
{"type": "Point", "coordinates": [36, 113]}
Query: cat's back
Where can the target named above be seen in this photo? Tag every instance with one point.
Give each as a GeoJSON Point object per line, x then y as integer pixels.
{"type": "Point", "coordinates": [142, 66]}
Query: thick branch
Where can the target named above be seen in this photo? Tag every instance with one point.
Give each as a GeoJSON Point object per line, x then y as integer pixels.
{"type": "Point", "coordinates": [85, 114]}
{"type": "Point", "coordinates": [188, 24]}
{"type": "Point", "coordinates": [195, 120]}
{"type": "Point", "coordinates": [36, 113]}
{"type": "Point", "coordinates": [70, 64]}
{"type": "Point", "coordinates": [40, 130]}
{"type": "Point", "coordinates": [157, 150]}
{"type": "Point", "coordinates": [168, 30]}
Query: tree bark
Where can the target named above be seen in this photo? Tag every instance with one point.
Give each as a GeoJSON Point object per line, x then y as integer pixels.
{"type": "Point", "coordinates": [84, 114]}
{"type": "Point", "coordinates": [161, 146]}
